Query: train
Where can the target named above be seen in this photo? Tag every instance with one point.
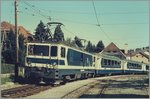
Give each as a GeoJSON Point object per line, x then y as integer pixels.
{"type": "Point", "coordinates": [54, 63]}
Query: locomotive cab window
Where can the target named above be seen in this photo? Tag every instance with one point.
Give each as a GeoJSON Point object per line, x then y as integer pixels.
{"type": "Point", "coordinates": [38, 50]}
{"type": "Point", "coordinates": [63, 52]}
{"type": "Point", "coordinates": [53, 50]}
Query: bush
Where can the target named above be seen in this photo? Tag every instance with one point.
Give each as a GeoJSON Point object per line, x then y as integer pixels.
{"type": "Point", "coordinates": [7, 68]}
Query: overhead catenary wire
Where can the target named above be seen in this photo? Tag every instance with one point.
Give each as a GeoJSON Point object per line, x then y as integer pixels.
{"type": "Point", "coordinates": [99, 22]}
{"type": "Point", "coordinates": [38, 11]}
{"type": "Point", "coordinates": [35, 10]}
{"type": "Point", "coordinates": [90, 13]}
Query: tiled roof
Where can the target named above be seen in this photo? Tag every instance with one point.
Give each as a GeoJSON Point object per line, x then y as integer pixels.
{"type": "Point", "coordinates": [138, 52]}
{"type": "Point", "coordinates": [113, 48]}
{"type": "Point", "coordinates": [7, 26]}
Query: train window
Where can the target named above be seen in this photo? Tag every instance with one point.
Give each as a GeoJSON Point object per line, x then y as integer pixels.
{"type": "Point", "coordinates": [30, 49]}
{"type": "Point", "coordinates": [63, 52]}
{"type": "Point", "coordinates": [147, 67]}
{"type": "Point", "coordinates": [112, 62]}
{"type": "Point", "coordinates": [115, 63]}
{"type": "Point", "coordinates": [53, 50]}
{"type": "Point", "coordinates": [102, 61]}
{"type": "Point", "coordinates": [82, 56]}
{"type": "Point", "coordinates": [105, 62]}
{"type": "Point", "coordinates": [39, 50]}
{"type": "Point", "coordinates": [109, 63]}
{"type": "Point", "coordinates": [93, 59]}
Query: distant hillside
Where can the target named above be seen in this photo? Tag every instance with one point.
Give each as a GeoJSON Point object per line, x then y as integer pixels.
{"type": "Point", "coordinates": [7, 26]}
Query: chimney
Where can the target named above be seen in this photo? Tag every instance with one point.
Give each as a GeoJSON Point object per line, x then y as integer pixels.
{"type": "Point", "coordinates": [126, 48]}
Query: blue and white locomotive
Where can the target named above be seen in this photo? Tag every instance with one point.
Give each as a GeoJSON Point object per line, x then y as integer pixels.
{"type": "Point", "coordinates": [52, 62]}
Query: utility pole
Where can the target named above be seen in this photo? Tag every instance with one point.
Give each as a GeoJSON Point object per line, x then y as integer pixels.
{"type": "Point", "coordinates": [16, 38]}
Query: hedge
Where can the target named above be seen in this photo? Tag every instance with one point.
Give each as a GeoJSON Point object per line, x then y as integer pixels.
{"type": "Point", "coordinates": [7, 68]}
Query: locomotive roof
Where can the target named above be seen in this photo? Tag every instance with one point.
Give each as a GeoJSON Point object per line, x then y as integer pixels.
{"type": "Point", "coordinates": [62, 43]}
{"type": "Point", "coordinates": [109, 56]}
{"type": "Point", "coordinates": [134, 61]}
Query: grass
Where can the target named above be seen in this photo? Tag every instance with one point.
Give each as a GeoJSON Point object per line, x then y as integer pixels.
{"type": "Point", "coordinates": [7, 68]}
{"type": "Point", "coordinates": [7, 79]}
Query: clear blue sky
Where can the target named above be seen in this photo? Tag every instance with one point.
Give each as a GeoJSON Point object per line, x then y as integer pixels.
{"type": "Point", "coordinates": [123, 21]}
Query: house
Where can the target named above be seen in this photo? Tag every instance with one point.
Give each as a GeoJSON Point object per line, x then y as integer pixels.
{"type": "Point", "coordinates": [139, 56]}
{"type": "Point", "coordinates": [6, 27]}
{"type": "Point", "coordinates": [112, 49]}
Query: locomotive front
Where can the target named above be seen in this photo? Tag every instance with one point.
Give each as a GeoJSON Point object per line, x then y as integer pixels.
{"type": "Point", "coordinates": [40, 63]}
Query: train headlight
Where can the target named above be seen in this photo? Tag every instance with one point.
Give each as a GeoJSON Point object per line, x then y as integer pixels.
{"type": "Point", "coordinates": [54, 64]}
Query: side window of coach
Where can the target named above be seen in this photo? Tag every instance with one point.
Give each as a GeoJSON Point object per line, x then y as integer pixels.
{"type": "Point", "coordinates": [63, 52]}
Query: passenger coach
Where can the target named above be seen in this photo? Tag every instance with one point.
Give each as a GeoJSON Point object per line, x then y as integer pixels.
{"type": "Point", "coordinates": [108, 64]}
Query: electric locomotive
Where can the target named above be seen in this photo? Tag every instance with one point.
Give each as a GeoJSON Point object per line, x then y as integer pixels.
{"type": "Point", "coordinates": [51, 62]}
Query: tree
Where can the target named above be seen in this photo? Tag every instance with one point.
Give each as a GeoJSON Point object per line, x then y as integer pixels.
{"type": "Point", "coordinates": [42, 32]}
{"type": "Point", "coordinates": [89, 47]}
{"type": "Point", "coordinates": [21, 49]}
{"type": "Point", "coordinates": [58, 34]}
{"type": "Point", "coordinates": [78, 41]}
{"type": "Point", "coordinates": [99, 46]}
{"type": "Point", "coordinates": [9, 53]}
{"type": "Point", "coordinates": [68, 41]}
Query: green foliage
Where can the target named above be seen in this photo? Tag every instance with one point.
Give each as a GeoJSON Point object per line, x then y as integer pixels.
{"type": "Point", "coordinates": [10, 41]}
{"type": "Point", "coordinates": [7, 68]}
{"type": "Point", "coordinates": [58, 34]}
{"type": "Point", "coordinates": [78, 41]}
{"type": "Point", "coordinates": [42, 33]}
{"type": "Point", "coordinates": [99, 46]}
{"type": "Point", "coordinates": [7, 79]}
{"type": "Point", "coordinates": [9, 52]}
{"type": "Point", "coordinates": [9, 56]}
{"type": "Point", "coordinates": [21, 50]}
{"type": "Point", "coordinates": [90, 47]}
{"type": "Point", "coordinates": [69, 42]}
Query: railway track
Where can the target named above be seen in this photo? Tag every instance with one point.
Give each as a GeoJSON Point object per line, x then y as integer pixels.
{"type": "Point", "coordinates": [95, 89]}
{"type": "Point", "coordinates": [24, 91]}
{"type": "Point", "coordinates": [80, 92]}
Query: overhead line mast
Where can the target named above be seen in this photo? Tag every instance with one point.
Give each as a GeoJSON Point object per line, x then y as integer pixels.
{"type": "Point", "coordinates": [16, 38]}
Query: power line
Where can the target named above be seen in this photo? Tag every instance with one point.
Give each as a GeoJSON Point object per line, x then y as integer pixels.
{"type": "Point", "coordinates": [69, 31]}
{"type": "Point", "coordinates": [95, 13]}
{"type": "Point", "coordinates": [38, 11]}
{"type": "Point", "coordinates": [90, 13]}
{"type": "Point", "coordinates": [99, 23]}
{"type": "Point", "coordinates": [35, 10]}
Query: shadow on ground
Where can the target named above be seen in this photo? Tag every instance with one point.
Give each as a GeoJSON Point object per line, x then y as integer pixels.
{"type": "Point", "coordinates": [114, 96]}
{"type": "Point", "coordinates": [122, 84]}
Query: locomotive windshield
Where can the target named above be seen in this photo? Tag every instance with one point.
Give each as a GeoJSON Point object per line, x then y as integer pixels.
{"type": "Point", "coordinates": [39, 50]}
{"type": "Point", "coordinates": [53, 50]}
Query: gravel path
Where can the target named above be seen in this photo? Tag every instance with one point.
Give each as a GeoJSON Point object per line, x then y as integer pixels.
{"type": "Point", "coordinates": [60, 91]}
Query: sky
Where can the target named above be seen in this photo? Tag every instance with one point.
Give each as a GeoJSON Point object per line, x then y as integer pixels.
{"type": "Point", "coordinates": [120, 21]}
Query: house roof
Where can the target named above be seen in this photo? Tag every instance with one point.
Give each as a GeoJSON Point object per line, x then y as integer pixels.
{"type": "Point", "coordinates": [138, 52]}
{"type": "Point", "coordinates": [112, 47]}
{"type": "Point", "coordinates": [7, 26]}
